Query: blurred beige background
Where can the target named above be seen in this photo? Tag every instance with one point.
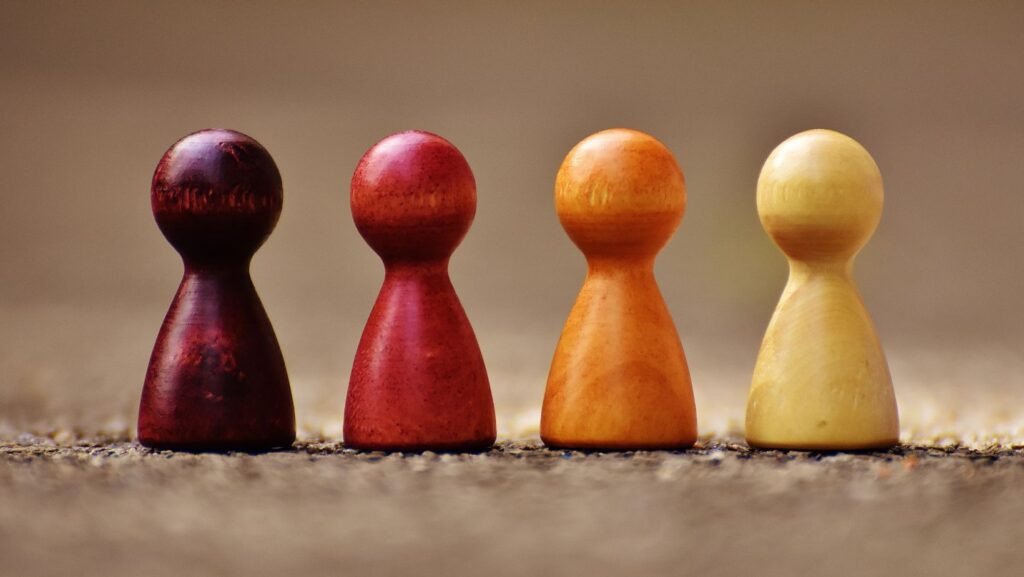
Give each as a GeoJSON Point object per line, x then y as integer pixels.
{"type": "Point", "coordinates": [92, 95]}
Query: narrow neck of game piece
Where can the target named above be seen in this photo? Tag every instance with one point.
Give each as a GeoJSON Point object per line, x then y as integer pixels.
{"type": "Point", "coordinates": [799, 269]}
{"type": "Point", "coordinates": [835, 273]}
{"type": "Point", "coordinates": [216, 283]}
{"type": "Point", "coordinates": [217, 270]}
{"type": "Point", "coordinates": [616, 266]}
{"type": "Point", "coordinates": [211, 294]}
{"type": "Point", "coordinates": [428, 268]}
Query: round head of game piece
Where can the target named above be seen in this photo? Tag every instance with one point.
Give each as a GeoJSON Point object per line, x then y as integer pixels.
{"type": "Point", "coordinates": [820, 196]}
{"type": "Point", "coordinates": [620, 193]}
{"type": "Point", "coordinates": [413, 197]}
{"type": "Point", "coordinates": [216, 196]}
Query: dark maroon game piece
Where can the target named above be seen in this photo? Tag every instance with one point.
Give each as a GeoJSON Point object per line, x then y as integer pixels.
{"type": "Point", "coordinates": [418, 381]}
{"type": "Point", "coordinates": [216, 379]}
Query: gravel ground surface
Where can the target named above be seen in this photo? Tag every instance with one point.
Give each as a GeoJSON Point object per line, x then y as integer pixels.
{"type": "Point", "coordinates": [78, 497]}
{"type": "Point", "coordinates": [110, 507]}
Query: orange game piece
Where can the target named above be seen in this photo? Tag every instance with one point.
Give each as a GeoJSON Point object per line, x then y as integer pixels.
{"type": "Point", "coordinates": [619, 379]}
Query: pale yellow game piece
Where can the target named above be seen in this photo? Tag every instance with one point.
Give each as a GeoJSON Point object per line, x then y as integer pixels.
{"type": "Point", "coordinates": [821, 380]}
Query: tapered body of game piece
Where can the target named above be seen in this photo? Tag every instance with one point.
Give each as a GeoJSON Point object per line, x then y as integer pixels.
{"type": "Point", "coordinates": [216, 379]}
{"type": "Point", "coordinates": [821, 380]}
{"type": "Point", "coordinates": [418, 381]}
{"type": "Point", "coordinates": [619, 378]}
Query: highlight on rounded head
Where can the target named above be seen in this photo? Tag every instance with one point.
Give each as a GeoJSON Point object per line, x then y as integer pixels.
{"type": "Point", "coordinates": [620, 170]}
{"type": "Point", "coordinates": [622, 190]}
{"type": "Point", "coordinates": [820, 194]}
{"type": "Point", "coordinates": [216, 195]}
{"type": "Point", "coordinates": [413, 195]}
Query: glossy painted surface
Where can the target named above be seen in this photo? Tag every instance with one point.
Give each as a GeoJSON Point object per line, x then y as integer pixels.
{"type": "Point", "coordinates": [619, 379]}
{"type": "Point", "coordinates": [216, 379]}
{"type": "Point", "coordinates": [418, 381]}
{"type": "Point", "coordinates": [821, 379]}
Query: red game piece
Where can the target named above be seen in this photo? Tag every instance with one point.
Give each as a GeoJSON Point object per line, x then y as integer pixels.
{"type": "Point", "coordinates": [216, 379]}
{"type": "Point", "coordinates": [418, 381]}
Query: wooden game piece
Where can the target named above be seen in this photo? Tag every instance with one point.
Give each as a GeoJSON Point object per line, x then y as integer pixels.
{"type": "Point", "coordinates": [418, 381]}
{"type": "Point", "coordinates": [619, 378]}
{"type": "Point", "coordinates": [216, 379]}
{"type": "Point", "coordinates": [821, 380]}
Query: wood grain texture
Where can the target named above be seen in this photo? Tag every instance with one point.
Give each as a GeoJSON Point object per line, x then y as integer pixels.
{"type": "Point", "coordinates": [418, 381]}
{"type": "Point", "coordinates": [821, 379]}
{"type": "Point", "coordinates": [619, 378]}
{"type": "Point", "coordinates": [216, 378]}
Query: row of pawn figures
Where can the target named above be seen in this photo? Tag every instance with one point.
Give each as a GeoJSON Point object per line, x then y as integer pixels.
{"type": "Point", "coordinates": [619, 379]}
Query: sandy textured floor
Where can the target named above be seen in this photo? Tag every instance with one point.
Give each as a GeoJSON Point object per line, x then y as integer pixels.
{"type": "Point", "coordinates": [77, 497]}
{"type": "Point", "coordinates": [114, 508]}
